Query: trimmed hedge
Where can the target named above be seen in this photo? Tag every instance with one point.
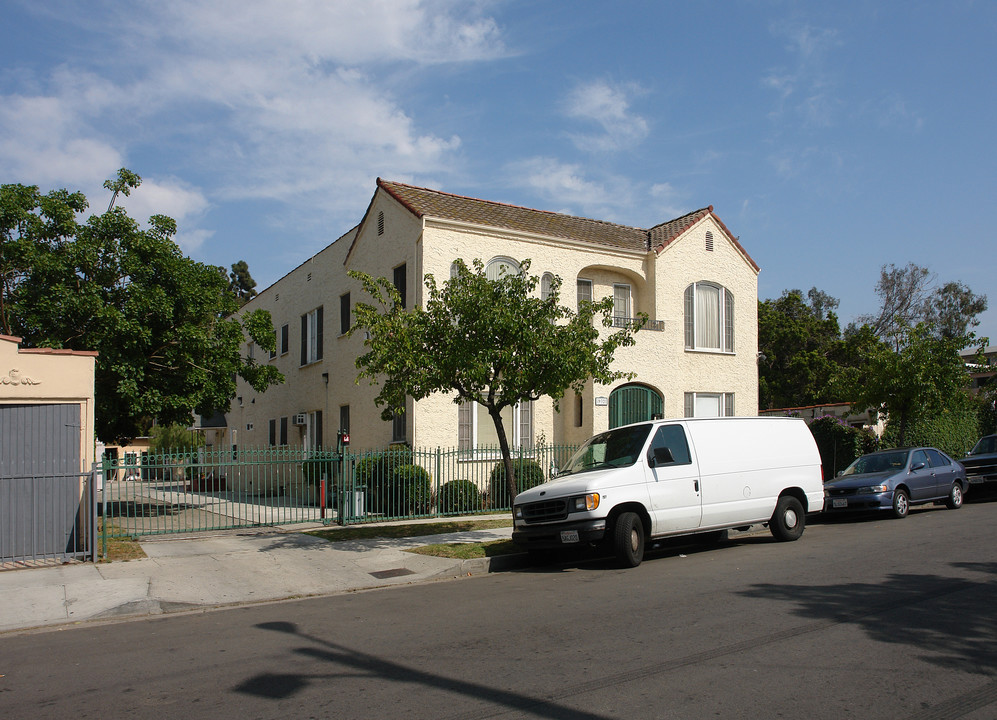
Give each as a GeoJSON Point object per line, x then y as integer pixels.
{"type": "Point", "coordinates": [528, 474]}
{"type": "Point", "coordinates": [413, 494]}
{"type": "Point", "coordinates": [459, 496]}
{"type": "Point", "coordinates": [953, 431]}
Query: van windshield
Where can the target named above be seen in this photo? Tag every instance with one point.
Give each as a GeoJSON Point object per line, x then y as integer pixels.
{"type": "Point", "coordinates": [615, 448]}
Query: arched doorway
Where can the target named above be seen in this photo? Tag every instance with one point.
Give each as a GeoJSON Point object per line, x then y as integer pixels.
{"type": "Point", "coordinates": [633, 403]}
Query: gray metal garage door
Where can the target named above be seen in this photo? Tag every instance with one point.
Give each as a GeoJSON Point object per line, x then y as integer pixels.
{"type": "Point", "coordinates": [40, 482]}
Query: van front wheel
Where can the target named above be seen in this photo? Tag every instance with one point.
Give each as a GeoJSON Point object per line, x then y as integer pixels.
{"type": "Point", "coordinates": [628, 539]}
{"type": "Point", "coordinates": [788, 520]}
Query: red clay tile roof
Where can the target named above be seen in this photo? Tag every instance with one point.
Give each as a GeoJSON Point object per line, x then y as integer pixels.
{"type": "Point", "coordinates": [423, 202]}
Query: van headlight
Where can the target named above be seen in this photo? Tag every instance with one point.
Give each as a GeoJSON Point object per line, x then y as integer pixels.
{"type": "Point", "coordinates": [585, 503]}
{"type": "Point", "coordinates": [518, 512]}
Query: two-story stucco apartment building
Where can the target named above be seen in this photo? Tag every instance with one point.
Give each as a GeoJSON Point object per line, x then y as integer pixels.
{"type": "Point", "coordinates": [690, 275]}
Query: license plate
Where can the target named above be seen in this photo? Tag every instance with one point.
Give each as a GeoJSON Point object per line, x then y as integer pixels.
{"type": "Point", "coordinates": [569, 536]}
{"type": "Point", "coordinates": [839, 502]}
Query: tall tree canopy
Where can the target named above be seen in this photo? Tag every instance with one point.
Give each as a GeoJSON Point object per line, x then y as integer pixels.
{"type": "Point", "coordinates": [162, 323]}
{"type": "Point", "coordinates": [908, 296]}
{"type": "Point", "coordinates": [241, 283]}
{"type": "Point", "coordinates": [801, 350]}
{"type": "Point", "coordinates": [493, 342]}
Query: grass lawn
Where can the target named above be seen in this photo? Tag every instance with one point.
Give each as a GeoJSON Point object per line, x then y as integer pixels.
{"type": "Point", "coordinates": [469, 551]}
{"type": "Point", "coordinates": [368, 532]}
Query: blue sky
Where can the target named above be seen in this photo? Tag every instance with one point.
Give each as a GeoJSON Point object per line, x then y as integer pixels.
{"type": "Point", "coordinates": [832, 138]}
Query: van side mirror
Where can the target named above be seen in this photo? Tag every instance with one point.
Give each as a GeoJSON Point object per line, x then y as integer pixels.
{"type": "Point", "coordinates": [663, 456]}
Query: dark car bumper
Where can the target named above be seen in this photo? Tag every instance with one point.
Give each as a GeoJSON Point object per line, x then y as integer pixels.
{"type": "Point", "coordinates": [559, 535]}
{"type": "Point", "coordinates": [854, 503]}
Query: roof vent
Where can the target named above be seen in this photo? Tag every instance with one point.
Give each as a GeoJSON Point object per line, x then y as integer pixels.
{"type": "Point", "coordinates": [709, 241]}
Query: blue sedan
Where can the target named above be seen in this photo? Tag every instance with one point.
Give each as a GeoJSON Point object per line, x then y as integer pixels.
{"type": "Point", "coordinates": [895, 480]}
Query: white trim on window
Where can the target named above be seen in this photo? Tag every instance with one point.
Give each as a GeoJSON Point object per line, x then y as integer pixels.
{"type": "Point", "coordinates": [475, 425]}
{"type": "Point", "coordinates": [709, 318]}
{"type": "Point", "coordinates": [699, 404]}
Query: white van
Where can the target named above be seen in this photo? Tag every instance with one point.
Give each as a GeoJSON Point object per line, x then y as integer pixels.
{"type": "Point", "coordinates": [675, 477]}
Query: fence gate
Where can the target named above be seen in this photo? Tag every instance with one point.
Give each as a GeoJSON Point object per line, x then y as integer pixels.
{"type": "Point", "coordinates": [41, 515]}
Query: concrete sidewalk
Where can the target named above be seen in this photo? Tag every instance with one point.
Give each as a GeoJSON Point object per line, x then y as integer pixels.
{"type": "Point", "coordinates": [225, 568]}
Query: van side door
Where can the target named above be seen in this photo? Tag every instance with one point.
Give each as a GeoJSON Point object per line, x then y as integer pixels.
{"type": "Point", "coordinates": [673, 482]}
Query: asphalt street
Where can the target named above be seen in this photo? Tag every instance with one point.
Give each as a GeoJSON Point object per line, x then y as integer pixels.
{"type": "Point", "coordinates": [866, 618]}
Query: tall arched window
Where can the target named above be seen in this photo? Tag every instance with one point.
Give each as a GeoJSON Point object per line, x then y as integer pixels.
{"type": "Point", "coordinates": [546, 282]}
{"type": "Point", "coordinates": [501, 267]}
{"type": "Point", "coordinates": [709, 317]}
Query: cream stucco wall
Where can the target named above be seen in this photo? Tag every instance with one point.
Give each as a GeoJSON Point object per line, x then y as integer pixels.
{"type": "Point", "coordinates": [429, 246]}
{"type": "Point", "coordinates": [41, 376]}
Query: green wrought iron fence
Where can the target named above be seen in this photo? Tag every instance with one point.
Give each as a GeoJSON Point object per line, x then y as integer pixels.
{"type": "Point", "coordinates": [201, 490]}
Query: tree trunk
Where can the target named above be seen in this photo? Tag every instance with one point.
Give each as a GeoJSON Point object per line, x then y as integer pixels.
{"type": "Point", "coordinates": [510, 475]}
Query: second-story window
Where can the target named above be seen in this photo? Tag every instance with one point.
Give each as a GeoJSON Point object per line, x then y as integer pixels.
{"type": "Point", "coordinates": [344, 313]}
{"type": "Point", "coordinates": [621, 305]}
{"type": "Point", "coordinates": [501, 267]}
{"type": "Point", "coordinates": [709, 317]}
{"type": "Point", "coordinates": [311, 336]}
{"type": "Point", "coordinates": [546, 284]}
{"type": "Point", "coordinates": [401, 283]}
{"type": "Point", "coordinates": [285, 338]}
{"type": "Point", "coordinates": [584, 291]}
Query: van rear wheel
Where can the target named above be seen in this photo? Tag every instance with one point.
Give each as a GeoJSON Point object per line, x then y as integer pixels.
{"type": "Point", "coordinates": [628, 539]}
{"type": "Point", "coordinates": [788, 520]}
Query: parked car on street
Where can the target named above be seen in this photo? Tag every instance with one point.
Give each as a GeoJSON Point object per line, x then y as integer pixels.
{"type": "Point", "coordinates": [895, 480]}
{"type": "Point", "coordinates": [981, 463]}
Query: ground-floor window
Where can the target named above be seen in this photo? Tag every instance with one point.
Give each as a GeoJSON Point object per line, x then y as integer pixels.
{"type": "Point", "coordinates": [699, 404]}
{"type": "Point", "coordinates": [476, 429]}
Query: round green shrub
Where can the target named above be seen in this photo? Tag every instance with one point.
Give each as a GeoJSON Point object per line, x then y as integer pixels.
{"type": "Point", "coordinates": [459, 496]}
{"type": "Point", "coordinates": [528, 474]}
{"type": "Point", "coordinates": [375, 475]}
{"type": "Point", "coordinates": [412, 492]}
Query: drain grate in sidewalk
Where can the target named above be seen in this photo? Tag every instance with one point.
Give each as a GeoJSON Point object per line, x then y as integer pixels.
{"type": "Point", "coordinates": [394, 572]}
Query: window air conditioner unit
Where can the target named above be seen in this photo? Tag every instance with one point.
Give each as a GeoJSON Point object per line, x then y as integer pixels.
{"type": "Point", "coordinates": [299, 419]}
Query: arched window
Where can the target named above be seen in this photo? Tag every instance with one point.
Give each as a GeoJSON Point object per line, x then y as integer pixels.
{"type": "Point", "coordinates": [501, 266]}
{"type": "Point", "coordinates": [709, 317]}
{"type": "Point", "coordinates": [546, 282]}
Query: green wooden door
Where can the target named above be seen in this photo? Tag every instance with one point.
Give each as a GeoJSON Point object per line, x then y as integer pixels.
{"type": "Point", "coordinates": [633, 403]}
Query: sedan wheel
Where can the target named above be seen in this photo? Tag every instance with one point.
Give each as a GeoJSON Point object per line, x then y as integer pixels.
{"type": "Point", "coordinates": [901, 504]}
{"type": "Point", "coordinates": [954, 500]}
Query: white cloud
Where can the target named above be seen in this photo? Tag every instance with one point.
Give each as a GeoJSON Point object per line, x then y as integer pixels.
{"type": "Point", "coordinates": [285, 100]}
{"type": "Point", "coordinates": [609, 107]}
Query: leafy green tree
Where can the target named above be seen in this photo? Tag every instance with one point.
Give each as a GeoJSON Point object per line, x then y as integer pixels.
{"type": "Point", "coordinates": [801, 350]}
{"type": "Point", "coordinates": [163, 324]}
{"type": "Point", "coordinates": [493, 342]}
{"type": "Point", "coordinates": [924, 375]}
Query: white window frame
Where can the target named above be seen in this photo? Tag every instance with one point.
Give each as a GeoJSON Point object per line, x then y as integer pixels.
{"type": "Point", "coordinates": [694, 331]}
{"type": "Point", "coordinates": [523, 423]}
{"type": "Point", "coordinates": [622, 315]}
{"type": "Point", "coordinates": [312, 332]}
{"type": "Point", "coordinates": [313, 432]}
{"type": "Point", "coordinates": [586, 283]}
{"type": "Point", "coordinates": [493, 270]}
{"type": "Point", "coordinates": [725, 403]}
